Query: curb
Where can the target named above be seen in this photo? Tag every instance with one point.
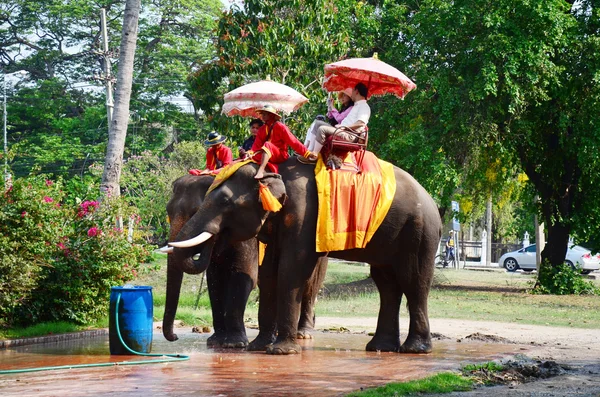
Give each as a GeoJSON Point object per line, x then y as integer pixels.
{"type": "Point", "coordinates": [8, 343]}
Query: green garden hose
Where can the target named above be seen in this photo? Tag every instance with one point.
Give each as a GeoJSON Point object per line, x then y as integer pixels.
{"type": "Point", "coordinates": [171, 357]}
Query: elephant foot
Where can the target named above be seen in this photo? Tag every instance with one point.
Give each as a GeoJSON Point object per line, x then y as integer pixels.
{"type": "Point", "coordinates": [260, 343]}
{"type": "Point", "coordinates": [238, 341]}
{"type": "Point", "coordinates": [284, 347]}
{"type": "Point", "coordinates": [170, 336]}
{"type": "Point", "coordinates": [383, 344]}
{"type": "Point", "coordinates": [304, 333]}
{"type": "Point", "coordinates": [215, 340]}
{"type": "Point", "coordinates": [416, 345]}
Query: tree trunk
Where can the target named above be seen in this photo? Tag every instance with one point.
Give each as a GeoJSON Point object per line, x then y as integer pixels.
{"type": "Point", "coordinates": [118, 127]}
{"type": "Point", "coordinates": [556, 247]}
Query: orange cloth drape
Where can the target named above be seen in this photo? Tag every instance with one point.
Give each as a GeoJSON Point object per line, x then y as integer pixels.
{"type": "Point", "coordinates": [352, 206]}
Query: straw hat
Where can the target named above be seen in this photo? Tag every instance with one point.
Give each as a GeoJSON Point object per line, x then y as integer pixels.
{"type": "Point", "coordinates": [269, 109]}
{"type": "Point", "coordinates": [348, 91]}
{"type": "Point", "coordinates": [214, 138]}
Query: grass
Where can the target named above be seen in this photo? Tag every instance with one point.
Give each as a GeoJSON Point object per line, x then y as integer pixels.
{"type": "Point", "coordinates": [458, 294]}
{"type": "Point", "coordinates": [445, 382]}
{"type": "Point", "coordinates": [483, 296]}
{"type": "Point", "coordinates": [345, 272]}
{"type": "Point", "coordinates": [52, 328]}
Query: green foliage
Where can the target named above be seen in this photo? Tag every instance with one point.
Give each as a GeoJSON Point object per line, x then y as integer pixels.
{"type": "Point", "coordinates": [445, 382]}
{"type": "Point", "coordinates": [490, 366]}
{"type": "Point", "coordinates": [509, 86]}
{"type": "Point", "coordinates": [289, 41]}
{"type": "Point", "coordinates": [59, 259]}
{"type": "Point", "coordinates": [563, 280]}
{"type": "Point", "coordinates": [146, 182]}
{"type": "Point", "coordinates": [58, 126]}
{"type": "Point", "coordinates": [59, 327]}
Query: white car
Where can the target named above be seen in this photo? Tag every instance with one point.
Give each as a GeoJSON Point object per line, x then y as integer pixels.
{"type": "Point", "coordinates": [577, 257]}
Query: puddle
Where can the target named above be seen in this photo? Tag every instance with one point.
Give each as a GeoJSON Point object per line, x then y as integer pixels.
{"type": "Point", "coordinates": [330, 364]}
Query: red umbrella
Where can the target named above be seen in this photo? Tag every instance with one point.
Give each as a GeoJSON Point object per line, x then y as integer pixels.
{"type": "Point", "coordinates": [245, 100]}
{"type": "Point", "coordinates": [378, 76]}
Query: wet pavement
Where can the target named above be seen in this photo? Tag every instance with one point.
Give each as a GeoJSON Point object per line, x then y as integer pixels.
{"type": "Point", "coordinates": [330, 364]}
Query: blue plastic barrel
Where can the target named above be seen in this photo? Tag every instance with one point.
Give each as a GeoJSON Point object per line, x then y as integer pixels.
{"type": "Point", "coordinates": [135, 319]}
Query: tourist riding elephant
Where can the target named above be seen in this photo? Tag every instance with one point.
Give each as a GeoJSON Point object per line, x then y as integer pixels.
{"type": "Point", "coordinates": [231, 269]}
{"type": "Point", "coordinates": [401, 252]}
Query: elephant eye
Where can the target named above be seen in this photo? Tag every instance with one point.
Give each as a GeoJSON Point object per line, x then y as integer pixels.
{"type": "Point", "coordinates": [225, 197]}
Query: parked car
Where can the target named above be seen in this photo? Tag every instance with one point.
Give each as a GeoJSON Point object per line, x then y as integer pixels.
{"type": "Point", "coordinates": [577, 257]}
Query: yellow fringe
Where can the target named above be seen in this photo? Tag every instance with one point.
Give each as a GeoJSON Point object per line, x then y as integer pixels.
{"type": "Point", "coordinates": [269, 202]}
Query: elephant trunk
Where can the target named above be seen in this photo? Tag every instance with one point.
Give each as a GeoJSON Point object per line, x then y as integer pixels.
{"type": "Point", "coordinates": [174, 279]}
{"type": "Point", "coordinates": [194, 260]}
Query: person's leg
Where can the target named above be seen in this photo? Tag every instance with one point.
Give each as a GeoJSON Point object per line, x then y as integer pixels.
{"type": "Point", "coordinates": [263, 163]}
{"type": "Point", "coordinates": [323, 129]}
{"type": "Point", "coordinates": [310, 136]}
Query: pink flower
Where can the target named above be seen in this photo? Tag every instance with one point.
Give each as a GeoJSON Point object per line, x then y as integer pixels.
{"type": "Point", "coordinates": [87, 207]}
{"type": "Point", "coordinates": [23, 214]}
{"type": "Point", "coordinates": [93, 231]}
{"type": "Point", "coordinates": [48, 199]}
{"type": "Point", "coordinates": [61, 246]}
{"type": "Point", "coordinates": [49, 182]}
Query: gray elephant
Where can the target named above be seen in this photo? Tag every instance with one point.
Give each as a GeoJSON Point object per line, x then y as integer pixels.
{"type": "Point", "coordinates": [231, 270]}
{"type": "Point", "coordinates": [401, 252]}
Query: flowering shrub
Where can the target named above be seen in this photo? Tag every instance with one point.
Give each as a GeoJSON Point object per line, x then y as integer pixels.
{"type": "Point", "coordinates": [59, 260]}
{"type": "Point", "coordinates": [147, 183]}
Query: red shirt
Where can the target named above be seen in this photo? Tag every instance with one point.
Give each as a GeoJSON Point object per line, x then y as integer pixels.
{"type": "Point", "coordinates": [218, 157]}
{"type": "Point", "coordinates": [281, 136]}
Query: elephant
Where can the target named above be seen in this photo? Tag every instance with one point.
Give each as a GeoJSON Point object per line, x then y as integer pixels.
{"type": "Point", "coordinates": [231, 270]}
{"type": "Point", "coordinates": [401, 252]}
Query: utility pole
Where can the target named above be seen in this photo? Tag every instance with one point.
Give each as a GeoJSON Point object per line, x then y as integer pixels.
{"type": "Point", "coordinates": [540, 238]}
{"type": "Point", "coordinates": [108, 80]}
{"type": "Point", "coordinates": [488, 227]}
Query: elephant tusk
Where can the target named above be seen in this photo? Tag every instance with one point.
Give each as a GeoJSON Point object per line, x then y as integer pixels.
{"type": "Point", "coordinates": [199, 239]}
{"type": "Point", "coordinates": [166, 249]}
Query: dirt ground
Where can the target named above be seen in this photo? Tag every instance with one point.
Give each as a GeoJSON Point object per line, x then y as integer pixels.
{"type": "Point", "coordinates": [576, 351]}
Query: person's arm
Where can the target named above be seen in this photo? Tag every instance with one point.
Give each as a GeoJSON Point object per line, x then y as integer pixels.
{"type": "Point", "coordinates": [210, 159]}
{"type": "Point", "coordinates": [356, 126]}
{"type": "Point", "coordinates": [339, 116]}
{"type": "Point", "coordinates": [292, 141]}
{"type": "Point", "coordinates": [261, 137]}
{"type": "Point", "coordinates": [362, 118]}
{"type": "Point", "coordinates": [227, 156]}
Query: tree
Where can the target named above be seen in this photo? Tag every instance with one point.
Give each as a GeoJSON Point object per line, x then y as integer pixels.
{"type": "Point", "coordinates": [517, 82]}
{"type": "Point", "coordinates": [289, 41]}
{"type": "Point", "coordinates": [53, 41]}
{"type": "Point", "coordinates": [118, 125]}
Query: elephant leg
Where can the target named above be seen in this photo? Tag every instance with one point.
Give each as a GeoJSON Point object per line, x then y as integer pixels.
{"type": "Point", "coordinates": [307, 312]}
{"type": "Point", "coordinates": [387, 335]}
{"type": "Point", "coordinates": [217, 294]}
{"type": "Point", "coordinates": [267, 307]}
{"type": "Point", "coordinates": [239, 287]}
{"type": "Point", "coordinates": [295, 269]}
{"type": "Point", "coordinates": [419, 336]}
{"type": "Point", "coordinates": [174, 279]}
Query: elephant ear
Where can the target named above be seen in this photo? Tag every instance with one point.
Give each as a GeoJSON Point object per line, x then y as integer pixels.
{"type": "Point", "coordinates": [272, 193]}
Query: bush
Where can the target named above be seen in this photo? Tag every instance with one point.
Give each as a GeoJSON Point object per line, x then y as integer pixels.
{"type": "Point", "coordinates": [146, 182]}
{"type": "Point", "coordinates": [563, 280]}
{"type": "Point", "coordinates": [58, 259]}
